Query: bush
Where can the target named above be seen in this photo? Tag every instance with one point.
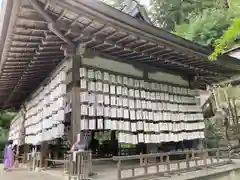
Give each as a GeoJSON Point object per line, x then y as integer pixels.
{"type": "Point", "coordinates": [2, 146]}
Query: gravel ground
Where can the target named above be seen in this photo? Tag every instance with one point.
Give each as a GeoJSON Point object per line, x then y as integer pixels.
{"type": "Point", "coordinates": [23, 174]}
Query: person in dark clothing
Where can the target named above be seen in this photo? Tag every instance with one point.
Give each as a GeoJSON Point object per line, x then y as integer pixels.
{"type": "Point", "coordinates": [94, 145]}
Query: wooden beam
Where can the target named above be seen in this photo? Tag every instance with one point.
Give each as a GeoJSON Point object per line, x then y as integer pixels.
{"type": "Point", "coordinates": [51, 24]}
{"type": "Point", "coordinates": [32, 28]}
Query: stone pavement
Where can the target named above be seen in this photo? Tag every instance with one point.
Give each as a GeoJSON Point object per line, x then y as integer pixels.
{"type": "Point", "coordinates": [207, 174]}
{"type": "Point", "coordinates": [23, 174]}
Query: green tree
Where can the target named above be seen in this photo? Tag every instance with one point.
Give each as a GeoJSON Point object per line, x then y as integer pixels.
{"type": "Point", "coordinates": [206, 22]}
{"type": "Point", "coordinates": [206, 27]}
{"type": "Point", "coordinates": [5, 121]}
{"type": "Point", "coordinates": [169, 13]}
{"type": "Point", "coordinates": [228, 38]}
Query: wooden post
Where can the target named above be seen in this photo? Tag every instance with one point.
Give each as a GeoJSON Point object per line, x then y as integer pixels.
{"type": "Point", "coordinates": [66, 163]}
{"type": "Point", "coordinates": [193, 155]}
{"type": "Point", "coordinates": [204, 158]}
{"type": "Point", "coordinates": [188, 159]}
{"type": "Point", "coordinates": [141, 159]}
{"type": "Point", "coordinates": [145, 166]}
{"type": "Point", "coordinates": [229, 154]}
{"type": "Point", "coordinates": [74, 55]}
{"type": "Point", "coordinates": [22, 136]}
{"type": "Point", "coordinates": [161, 158]}
{"type": "Point", "coordinates": [178, 165]}
{"type": "Point", "coordinates": [119, 169]}
{"type": "Point", "coordinates": [25, 155]}
{"type": "Point", "coordinates": [89, 153]}
{"type": "Point", "coordinates": [133, 172]}
{"type": "Point", "coordinates": [75, 97]}
{"type": "Point", "coordinates": [211, 157]}
{"type": "Point", "coordinates": [218, 155]}
{"type": "Point", "coordinates": [43, 155]}
{"type": "Point", "coordinates": [168, 164]}
{"type": "Point", "coordinates": [90, 163]}
{"type": "Point", "coordinates": [34, 157]}
{"type": "Point", "coordinates": [79, 161]}
{"type": "Point", "coordinates": [70, 168]}
{"type": "Point", "coordinates": [157, 167]}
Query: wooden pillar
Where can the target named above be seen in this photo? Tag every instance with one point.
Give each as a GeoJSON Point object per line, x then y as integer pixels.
{"type": "Point", "coordinates": [76, 57]}
{"type": "Point", "coordinates": [75, 95]}
{"type": "Point", "coordinates": [43, 154]}
{"type": "Point", "coordinates": [22, 136]}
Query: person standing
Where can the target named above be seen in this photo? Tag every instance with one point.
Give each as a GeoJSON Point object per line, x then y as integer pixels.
{"type": "Point", "coordinates": [8, 156]}
{"type": "Point", "coordinates": [82, 142]}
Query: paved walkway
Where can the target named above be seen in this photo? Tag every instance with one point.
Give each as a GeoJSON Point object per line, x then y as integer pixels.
{"type": "Point", "coordinates": [26, 175]}
{"type": "Point", "coordinates": [51, 175]}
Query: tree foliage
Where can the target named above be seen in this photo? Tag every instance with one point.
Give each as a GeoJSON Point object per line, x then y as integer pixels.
{"type": "Point", "coordinates": [215, 27]}
{"type": "Point", "coordinates": [229, 36]}
{"type": "Point", "coordinates": [214, 132]}
{"type": "Point", "coordinates": [169, 13]}
{"type": "Point", "coordinates": [5, 121]}
{"type": "Point", "coordinates": [206, 22]}
{"type": "Point", "coordinates": [210, 23]}
{"type": "Point", "coordinates": [204, 28]}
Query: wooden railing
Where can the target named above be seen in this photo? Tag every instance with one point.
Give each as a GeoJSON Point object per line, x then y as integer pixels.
{"type": "Point", "coordinates": [191, 160]}
{"type": "Point", "coordinates": [79, 165]}
{"type": "Point", "coordinates": [33, 161]}
{"type": "Point", "coordinates": [58, 161]}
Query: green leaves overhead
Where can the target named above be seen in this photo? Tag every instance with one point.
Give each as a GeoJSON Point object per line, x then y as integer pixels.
{"type": "Point", "coordinates": [229, 36]}
{"type": "Point", "coordinates": [169, 13]}
{"type": "Point", "coordinates": [206, 22]}
{"type": "Point", "coordinates": [215, 24]}
{"type": "Point", "coordinates": [206, 27]}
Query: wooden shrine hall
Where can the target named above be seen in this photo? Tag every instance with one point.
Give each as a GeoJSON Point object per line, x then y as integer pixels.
{"type": "Point", "coordinates": [78, 69]}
